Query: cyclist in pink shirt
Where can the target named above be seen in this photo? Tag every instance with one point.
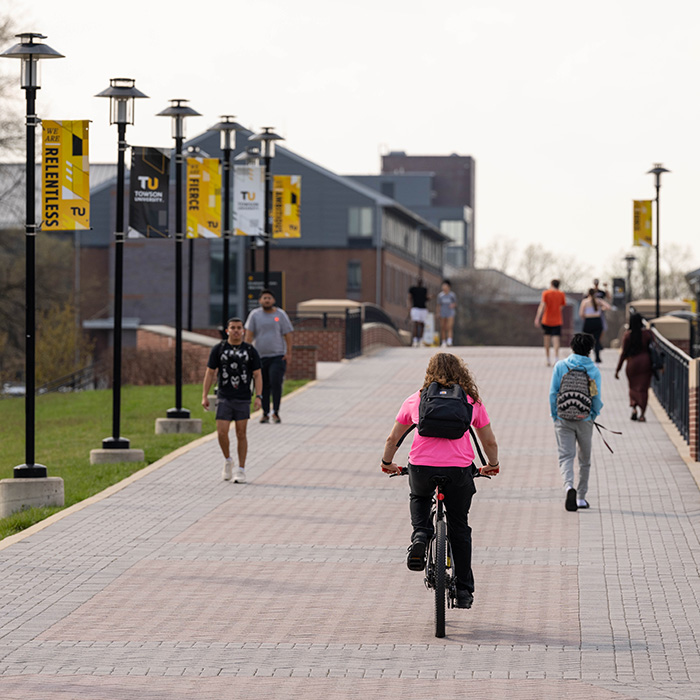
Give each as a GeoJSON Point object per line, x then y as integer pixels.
{"type": "Point", "coordinates": [431, 456]}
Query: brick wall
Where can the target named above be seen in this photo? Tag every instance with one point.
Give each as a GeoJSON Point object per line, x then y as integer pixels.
{"type": "Point", "coordinates": [303, 364]}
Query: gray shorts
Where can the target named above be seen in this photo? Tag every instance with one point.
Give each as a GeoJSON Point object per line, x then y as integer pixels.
{"type": "Point", "coordinates": [232, 409]}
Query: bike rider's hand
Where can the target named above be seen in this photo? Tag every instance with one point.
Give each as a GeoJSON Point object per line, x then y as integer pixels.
{"type": "Point", "coordinates": [491, 469]}
{"type": "Point", "coordinates": [392, 468]}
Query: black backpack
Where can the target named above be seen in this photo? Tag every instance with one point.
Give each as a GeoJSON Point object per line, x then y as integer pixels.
{"type": "Point", "coordinates": [574, 399]}
{"type": "Point", "coordinates": [444, 412]}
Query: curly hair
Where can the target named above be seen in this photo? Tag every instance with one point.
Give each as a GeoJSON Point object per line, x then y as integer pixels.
{"type": "Point", "coordinates": [445, 369]}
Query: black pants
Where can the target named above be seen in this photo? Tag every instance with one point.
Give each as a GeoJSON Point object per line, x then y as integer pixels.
{"type": "Point", "coordinates": [594, 326]}
{"type": "Point", "coordinates": [273, 369]}
{"type": "Point", "coordinates": [458, 499]}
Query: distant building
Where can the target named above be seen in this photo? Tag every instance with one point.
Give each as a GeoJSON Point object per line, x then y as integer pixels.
{"type": "Point", "coordinates": [356, 243]}
{"type": "Point", "coordinates": [441, 189]}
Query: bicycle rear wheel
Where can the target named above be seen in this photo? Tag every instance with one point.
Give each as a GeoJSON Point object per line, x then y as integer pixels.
{"type": "Point", "coordinates": [440, 559]}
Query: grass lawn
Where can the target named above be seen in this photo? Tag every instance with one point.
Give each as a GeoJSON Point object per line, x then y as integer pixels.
{"type": "Point", "coordinates": [68, 426]}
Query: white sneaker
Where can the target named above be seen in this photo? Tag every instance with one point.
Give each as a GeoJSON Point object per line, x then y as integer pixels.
{"type": "Point", "coordinates": [449, 342]}
{"type": "Point", "coordinates": [227, 471]}
{"type": "Point", "coordinates": [240, 476]}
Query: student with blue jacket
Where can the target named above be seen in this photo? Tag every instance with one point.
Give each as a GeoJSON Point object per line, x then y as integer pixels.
{"type": "Point", "coordinates": [573, 433]}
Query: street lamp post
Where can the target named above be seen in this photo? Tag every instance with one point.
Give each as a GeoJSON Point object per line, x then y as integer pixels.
{"type": "Point", "coordinates": [178, 111]}
{"type": "Point", "coordinates": [226, 127]}
{"type": "Point", "coordinates": [267, 138]}
{"type": "Point", "coordinates": [122, 94]}
{"type": "Point", "coordinates": [30, 51]}
{"type": "Point", "coordinates": [630, 260]}
{"type": "Point", "coordinates": [656, 171]}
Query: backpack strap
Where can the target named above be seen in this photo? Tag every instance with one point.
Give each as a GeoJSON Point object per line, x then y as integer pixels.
{"type": "Point", "coordinates": [478, 446]}
{"type": "Point", "coordinates": [615, 432]}
{"type": "Point", "coordinates": [405, 435]}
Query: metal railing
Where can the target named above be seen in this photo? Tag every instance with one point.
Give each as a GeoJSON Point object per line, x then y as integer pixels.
{"type": "Point", "coordinates": [353, 333]}
{"type": "Point", "coordinates": [77, 381]}
{"type": "Point", "coordinates": [671, 385]}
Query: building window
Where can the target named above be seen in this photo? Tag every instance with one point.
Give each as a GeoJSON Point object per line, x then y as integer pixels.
{"type": "Point", "coordinates": [354, 275]}
{"type": "Point", "coordinates": [360, 221]}
{"type": "Point", "coordinates": [454, 229]}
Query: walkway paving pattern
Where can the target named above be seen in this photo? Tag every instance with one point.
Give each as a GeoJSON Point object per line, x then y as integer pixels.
{"type": "Point", "coordinates": [295, 585]}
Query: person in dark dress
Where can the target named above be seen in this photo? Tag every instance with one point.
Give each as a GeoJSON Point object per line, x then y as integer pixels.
{"type": "Point", "coordinates": [635, 350]}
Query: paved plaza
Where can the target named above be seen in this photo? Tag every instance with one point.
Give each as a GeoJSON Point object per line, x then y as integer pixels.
{"type": "Point", "coordinates": [294, 585]}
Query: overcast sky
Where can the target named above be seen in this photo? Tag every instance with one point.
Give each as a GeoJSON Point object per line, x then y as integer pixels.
{"type": "Point", "coordinates": [565, 106]}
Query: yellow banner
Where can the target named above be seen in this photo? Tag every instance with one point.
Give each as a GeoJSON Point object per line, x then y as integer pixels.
{"type": "Point", "coordinates": [286, 206]}
{"type": "Point", "coordinates": [65, 176]}
{"type": "Point", "coordinates": [642, 222]}
{"type": "Point", "coordinates": [203, 198]}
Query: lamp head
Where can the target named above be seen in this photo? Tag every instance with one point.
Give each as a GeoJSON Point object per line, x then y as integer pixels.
{"type": "Point", "coordinates": [121, 93]}
{"type": "Point", "coordinates": [30, 50]}
{"type": "Point", "coordinates": [226, 127]}
{"type": "Point", "coordinates": [178, 110]}
{"type": "Point", "coordinates": [266, 138]}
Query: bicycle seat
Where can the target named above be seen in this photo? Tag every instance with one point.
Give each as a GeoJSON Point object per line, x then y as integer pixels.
{"type": "Point", "coordinates": [440, 480]}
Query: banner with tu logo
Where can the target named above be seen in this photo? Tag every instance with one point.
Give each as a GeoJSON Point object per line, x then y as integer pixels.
{"type": "Point", "coordinates": [148, 195]}
{"type": "Point", "coordinates": [65, 176]}
{"type": "Point", "coordinates": [641, 226]}
{"type": "Point", "coordinates": [248, 200]}
{"type": "Point", "coordinates": [203, 198]}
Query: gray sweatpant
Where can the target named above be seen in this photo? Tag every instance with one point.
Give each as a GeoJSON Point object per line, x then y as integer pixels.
{"type": "Point", "coordinates": [570, 433]}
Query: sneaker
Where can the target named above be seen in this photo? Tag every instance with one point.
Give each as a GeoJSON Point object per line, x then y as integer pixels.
{"type": "Point", "coordinates": [276, 418]}
{"type": "Point", "coordinates": [570, 503]}
{"type": "Point", "coordinates": [264, 419]}
{"type": "Point", "coordinates": [449, 342]}
{"type": "Point", "coordinates": [415, 560]}
{"type": "Point", "coordinates": [240, 476]}
{"type": "Point", "coordinates": [464, 599]}
{"type": "Point", "coordinates": [227, 471]}
{"type": "Point", "coordinates": [582, 503]}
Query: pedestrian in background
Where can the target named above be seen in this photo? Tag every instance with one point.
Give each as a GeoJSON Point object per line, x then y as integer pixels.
{"type": "Point", "coordinates": [268, 327]}
{"type": "Point", "coordinates": [636, 344]}
{"type": "Point", "coordinates": [418, 305]}
{"type": "Point", "coordinates": [549, 316]}
{"type": "Point", "coordinates": [237, 363]}
{"type": "Point", "coordinates": [591, 311]}
{"type": "Point", "coordinates": [447, 305]}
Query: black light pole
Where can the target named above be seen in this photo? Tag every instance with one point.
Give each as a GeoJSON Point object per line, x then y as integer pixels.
{"type": "Point", "coordinates": [178, 111]}
{"type": "Point", "coordinates": [267, 138]}
{"type": "Point", "coordinates": [630, 260]}
{"type": "Point", "coordinates": [226, 127]}
{"type": "Point", "coordinates": [656, 171]}
{"type": "Point", "coordinates": [121, 93]}
{"type": "Point", "coordinates": [30, 50]}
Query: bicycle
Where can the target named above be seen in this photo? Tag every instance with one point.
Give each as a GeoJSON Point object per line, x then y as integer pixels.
{"type": "Point", "coordinates": [439, 569]}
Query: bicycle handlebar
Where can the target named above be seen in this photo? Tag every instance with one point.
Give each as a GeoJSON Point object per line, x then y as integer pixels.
{"type": "Point", "coordinates": [404, 470]}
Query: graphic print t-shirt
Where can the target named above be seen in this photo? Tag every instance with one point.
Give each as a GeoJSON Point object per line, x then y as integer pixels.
{"type": "Point", "coordinates": [236, 364]}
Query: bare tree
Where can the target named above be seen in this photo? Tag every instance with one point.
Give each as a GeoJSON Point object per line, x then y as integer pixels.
{"type": "Point", "coordinates": [10, 118]}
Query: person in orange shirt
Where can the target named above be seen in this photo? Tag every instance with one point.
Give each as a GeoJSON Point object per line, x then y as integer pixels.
{"type": "Point", "coordinates": [550, 318]}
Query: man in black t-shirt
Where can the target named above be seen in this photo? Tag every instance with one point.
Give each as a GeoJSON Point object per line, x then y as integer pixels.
{"type": "Point", "coordinates": [237, 363]}
{"type": "Point", "coordinates": [417, 303]}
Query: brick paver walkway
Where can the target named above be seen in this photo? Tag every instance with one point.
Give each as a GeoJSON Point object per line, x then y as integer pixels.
{"type": "Point", "coordinates": [294, 585]}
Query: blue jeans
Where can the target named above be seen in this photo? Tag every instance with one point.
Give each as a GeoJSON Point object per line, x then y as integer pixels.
{"type": "Point", "coordinates": [273, 369]}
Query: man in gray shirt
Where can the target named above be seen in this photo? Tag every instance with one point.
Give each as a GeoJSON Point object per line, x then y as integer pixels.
{"type": "Point", "coordinates": [269, 329]}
